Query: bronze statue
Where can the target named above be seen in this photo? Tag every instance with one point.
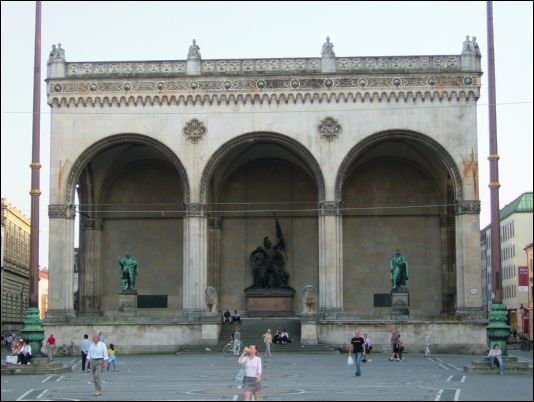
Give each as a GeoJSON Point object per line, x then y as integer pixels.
{"type": "Point", "coordinates": [128, 271]}
{"type": "Point", "coordinates": [267, 264]}
{"type": "Point", "coordinates": [399, 271]}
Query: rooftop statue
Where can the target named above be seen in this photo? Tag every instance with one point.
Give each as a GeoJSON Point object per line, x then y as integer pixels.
{"type": "Point", "coordinates": [194, 50]}
{"type": "Point", "coordinates": [328, 48]}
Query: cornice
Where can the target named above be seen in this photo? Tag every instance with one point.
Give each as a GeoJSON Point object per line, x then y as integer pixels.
{"type": "Point", "coordinates": [265, 89]}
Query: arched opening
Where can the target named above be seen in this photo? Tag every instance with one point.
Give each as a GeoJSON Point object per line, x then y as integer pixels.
{"type": "Point", "coordinates": [398, 191]}
{"type": "Point", "coordinates": [131, 192]}
{"type": "Point", "coordinates": [247, 182]}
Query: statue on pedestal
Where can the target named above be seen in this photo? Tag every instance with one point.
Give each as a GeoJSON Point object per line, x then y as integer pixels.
{"type": "Point", "coordinates": [267, 264]}
{"type": "Point", "coordinates": [398, 266]}
{"type": "Point", "coordinates": [128, 271]}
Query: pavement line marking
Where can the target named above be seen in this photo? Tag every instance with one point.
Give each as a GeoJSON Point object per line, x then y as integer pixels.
{"type": "Point", "coordinates": [463, 379]}
{"type": "Point", "coordinates": [42, 394]}
{"type": "Point", "coordinates": [47, 378]}
{"type": "Point", "coordinates": [453, 366]}
{"type": "Point", "coordinates": [438, 396]}
{"type": "Point", "coordinates": [445, 367]}
{"type": "Point", "coordinates": [20, 398]}
{"type": "Point", "coordinates": [438, 359]}
{"type": "Point", "coordinates": [450, 378]}
{"type": "Point", "coordinates": [457, 395]}
{"type": "Point", "coordinates": [59, 379]}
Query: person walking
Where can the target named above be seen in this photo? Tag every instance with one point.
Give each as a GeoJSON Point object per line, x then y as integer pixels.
{"type": "Point", "coordinates": [368, 348]}
{"type": "Point", "coordinates": [268, 340]}
{"type": "Point", "coordinates": [98, 358]}
{"type": "Point", "coordinates": [237, 341]}
{"type": "Point", "coordinates": [428, 342]}
{"type": "Point", "coordinates": [50, 347]}
{"type": "Point", "coordinates": [84, 347]}
{"type": "Point", "coordinates": [395, 339]}
{"type": "Point", "coordinates": [112, 357]}
{"type": "Point", "coordinates": [253, 371]}
{"type": "Point", "coordinates": [357, 347]}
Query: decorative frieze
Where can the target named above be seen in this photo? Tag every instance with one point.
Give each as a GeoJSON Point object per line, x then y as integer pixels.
{"type": "Point", "coordinates": [279, 89]}
{"type": "Point", "coordinates": [194, 130]}
{"type": "Point", "coordinates": [329, 129]}
{"type": "Point", "coordinates": [61, 211]}
{"type": "Point", "coordinates": [467, 207]}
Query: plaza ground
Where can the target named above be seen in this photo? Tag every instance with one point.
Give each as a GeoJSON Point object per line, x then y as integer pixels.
{"type": "Point", "coordinates": [287, 377]}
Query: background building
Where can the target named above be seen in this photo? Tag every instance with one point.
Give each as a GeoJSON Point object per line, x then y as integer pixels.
{"type": "Point", "coordinates": [15, 266]}
{"type": "Point", "coordinates": [516, 231]}
{"type": "Point", "coordinates": [528, 250]}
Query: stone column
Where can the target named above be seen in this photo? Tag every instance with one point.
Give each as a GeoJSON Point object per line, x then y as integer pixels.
{"type": "Point", "coordinates": [468, 281]}
{"type": "Point", "coordinates": [214, 254]}
{"type": "Point", "coordinates": [195, 257]}
{"type": "Point", "coordinates": [61, 261]}
{"type": "Point", "coordinates": [330, 259]}
{"type": "Point", "coordinates": [91, 281]}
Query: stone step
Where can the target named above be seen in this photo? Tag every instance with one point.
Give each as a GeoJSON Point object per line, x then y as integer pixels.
{"type": "Point", "coordinates": [489, 370]}
{"type": "Point", "coordinates": [47, 368]}
{"type": "Point", "coordinates": [512, 364]}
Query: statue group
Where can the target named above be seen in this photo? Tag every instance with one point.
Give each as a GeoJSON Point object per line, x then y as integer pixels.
{"type": "Point", "coordinates": [268, 263]}
{"type": "Point", "coordinates": [398, 266]}
{"type": "Point", "coordinates": [128, 271]}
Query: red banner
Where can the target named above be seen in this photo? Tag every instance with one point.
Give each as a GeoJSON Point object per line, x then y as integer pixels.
{"type": "Point", "coordinates": [523, 276]}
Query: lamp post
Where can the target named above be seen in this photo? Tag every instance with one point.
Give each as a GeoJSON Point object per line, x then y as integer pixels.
{"type": "Point", "coordinates": [522, 313]}
{"type": "Point", "coordinates": [497, 330]}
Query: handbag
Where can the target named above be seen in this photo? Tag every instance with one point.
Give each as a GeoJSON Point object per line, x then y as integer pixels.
{"type": "Point", "coordinates": [240, 376]}
{"type": "Point", "coordinates": [350, 361]}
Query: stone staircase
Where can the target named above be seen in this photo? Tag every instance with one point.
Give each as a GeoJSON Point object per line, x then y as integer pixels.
{"type": "Point", "coordinates": [252, 329]}
{"type": "Point", "coordinates": [511, 366]}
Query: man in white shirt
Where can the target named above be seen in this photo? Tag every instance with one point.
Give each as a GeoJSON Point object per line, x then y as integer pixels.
{"type": "Point", "coordinates": [98, 358]}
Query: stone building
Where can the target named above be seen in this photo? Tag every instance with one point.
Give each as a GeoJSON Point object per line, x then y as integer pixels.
{"type": "Point", "coordinates": [15, 266]}
{"type": "Point", "coordinates": [184, 162]}
{"type": "Point", "coordinates": [528, 250]}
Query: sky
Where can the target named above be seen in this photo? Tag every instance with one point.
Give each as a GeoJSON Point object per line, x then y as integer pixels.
{"type": "Point", "coordinates": [123, 31]}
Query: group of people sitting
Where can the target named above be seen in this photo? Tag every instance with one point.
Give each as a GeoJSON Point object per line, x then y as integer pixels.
{"type": "Point", "coordinates": [230, 318]}
{"type": "Point", "coordinates": [513, 338]}
{"type": "Point", "coordinates": [22, 350]}
{"type": "Point", "coordinates": [281, 336]}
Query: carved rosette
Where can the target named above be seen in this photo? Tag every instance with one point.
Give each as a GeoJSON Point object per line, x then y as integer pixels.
{"type": "Point", "coordinates": [194, 130]}
{"type": "Point", "coordinates": [329, 129]}
{"type": "Point", "coordinates": [329, 208]}
{"type": "Point", "coordinates": [471, 207]}
{"type": "Point", "coordinates": [195, 209]}
{"type": "Point", "coordinates": [61, 211]}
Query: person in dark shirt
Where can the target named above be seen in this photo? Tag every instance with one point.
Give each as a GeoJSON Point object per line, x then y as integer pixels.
{"type": "Point", "coordinates": [357, 348]}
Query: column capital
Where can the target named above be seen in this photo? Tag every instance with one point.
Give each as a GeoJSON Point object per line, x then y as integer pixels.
{"type": "Point", "coordinates": [329, 208]}
{"type": "Point", "coordinates": [195, 209]}
{"type": "Point", "coordinates": [471, 207]}
{"type": "Point", "coordinates": [61, 211]}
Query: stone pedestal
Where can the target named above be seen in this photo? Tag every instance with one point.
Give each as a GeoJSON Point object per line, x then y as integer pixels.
{"type": "Point", "coordinates": [270, 301]}
{"type": "Point", "coordinates": [400, 301]}
{"type": "Point", "coordinates": [128, 302]}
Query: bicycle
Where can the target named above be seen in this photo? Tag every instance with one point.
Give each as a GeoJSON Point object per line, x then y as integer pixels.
{"type": "Point", "coordinates": [232, 349]}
